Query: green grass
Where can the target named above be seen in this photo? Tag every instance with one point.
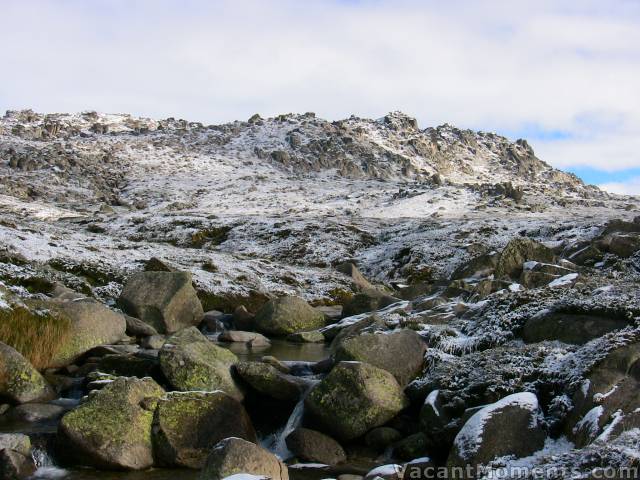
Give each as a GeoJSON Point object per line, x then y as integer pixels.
{"type": "Point", "coordinates": [36, 336]}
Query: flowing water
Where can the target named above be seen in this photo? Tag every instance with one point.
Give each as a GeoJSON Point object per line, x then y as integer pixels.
{"type": "Point", "coordinates": [48, 470]}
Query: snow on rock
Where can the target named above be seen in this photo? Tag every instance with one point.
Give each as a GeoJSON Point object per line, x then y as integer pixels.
{"type": "Point", "coordinates": [511, 426]}
{"type": "Point", "coordinates": [564, 280]}
{"type": "Point", "coordinates": [590, 423]}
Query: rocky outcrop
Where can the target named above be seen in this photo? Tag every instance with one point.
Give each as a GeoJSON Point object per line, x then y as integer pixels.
{"type": "Point", "coordinates": [568, 327]}
{"type": "Point", "coordinates": [354, 398]}
{"type": "Point", "coordinates": [367, 301]}
{"type": "Point", "coordinates": [285, 315]}
{"type": "Point", "coordinates": [383, 350]}
{"type": "Point", "coordinates": [165, 300]}
{"type": "Point", "coordinates": [112, 429]}
{"type": "Point", "coordinates": [234, 455]}
{"type": "Point", "coordinates": [607, 404]}
{"type": "Point", "coordinates": [187, 425]}
{"type": "Point", "coordinates": [517, 252]}
{"type": "Point", "coordinates": [191, 362]}
{"type": "Point", "coordinates": [19, 381]}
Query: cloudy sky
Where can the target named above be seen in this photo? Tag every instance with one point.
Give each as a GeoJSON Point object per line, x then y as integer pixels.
{"type": "Point", "coordinates": [565, 74]}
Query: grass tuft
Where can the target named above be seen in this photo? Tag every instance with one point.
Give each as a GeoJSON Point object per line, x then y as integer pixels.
{"type": "Point", "coordinates": [37, 336]}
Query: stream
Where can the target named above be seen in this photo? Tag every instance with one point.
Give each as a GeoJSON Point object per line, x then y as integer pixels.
{"type": "Point", "coordinates": [43, 432]}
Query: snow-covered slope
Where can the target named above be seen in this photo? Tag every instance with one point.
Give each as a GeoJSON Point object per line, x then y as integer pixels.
{"type": "Point", "coordinates": [270, 204]}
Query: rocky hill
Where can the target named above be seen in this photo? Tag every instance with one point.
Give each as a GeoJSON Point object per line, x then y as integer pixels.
{"type": "Point", "coordinates": [508, 289]}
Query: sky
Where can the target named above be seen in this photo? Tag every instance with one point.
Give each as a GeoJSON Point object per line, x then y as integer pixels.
{"type": "Point", "coordinates": [564, 74]}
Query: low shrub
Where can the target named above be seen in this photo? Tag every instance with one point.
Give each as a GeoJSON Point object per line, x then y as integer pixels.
{"type": "Point", "coordinates": [36, 335]}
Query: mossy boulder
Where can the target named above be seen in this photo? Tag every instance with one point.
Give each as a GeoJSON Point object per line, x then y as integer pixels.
{"type": "Point", "coordinates": [518, 251]}
{"type": "Point", "coordinates": [315, 447]}
{"type": "Point", "coordinates": [20, 382]}
{"type": "Point", "coordinates": [187, 425]}
{"type": "Point", "coordinates": [384, 350]}
{"type": "Point", "coordinates": [234, 455]}
{"type": "Point", "coordinates": [128, 365]}
{"type": "Point", "coordinates": [354, 398]}
{"type": "Point", "coordinates": [92, 324]}
{"type": "Point", "coordinates": [165, 300]}
{"type": "Point", "coordinates": [112, 429]}
{"type": "Point", "coordinates": [191, 362]}
{"type": "Point", "coordinates": [285, 315]}
{"type": "Point", "coordinates": [269, 381]}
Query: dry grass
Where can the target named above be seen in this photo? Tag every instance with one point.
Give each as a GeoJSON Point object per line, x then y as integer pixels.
{"type": "Point", "coordinates": [36, 336]}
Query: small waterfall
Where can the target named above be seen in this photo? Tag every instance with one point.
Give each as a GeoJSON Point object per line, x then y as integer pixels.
{"type": "Point", "coordinates": [279, 445]}
{"type": "Point", "coordinates": [41, 458]}
{"type": "Point", "coordinates": [46, 468]}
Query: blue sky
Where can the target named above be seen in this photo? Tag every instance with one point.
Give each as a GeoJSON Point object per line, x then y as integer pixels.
{"type": "Point", "coordinates": [562, 73]}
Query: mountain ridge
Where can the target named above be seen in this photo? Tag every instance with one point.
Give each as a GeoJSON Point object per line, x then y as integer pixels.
{"type": "Point", "coordinates": [392, 148]}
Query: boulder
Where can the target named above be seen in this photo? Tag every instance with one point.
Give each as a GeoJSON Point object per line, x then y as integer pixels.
{"type": "Point", "coordinates": [243, 319]}
{"type": "Point", "coordinates": [572, 328]}
{"type": "Point", "coordinates": [517, 252]}
{"type": "Point", "coordinates": [187, 425]}
{"type": "Point", "coordinates": [622, 245]}
{"type": "Point", "coordinates": [511, 426]}
{"type": "Point", "coordinates": [383, 350]}
{"type": "Point", "coordinates": [233, 456]}
{"type": "Point", "coordinates": [440, 419]}
{"type": "Point", "coordinates": [354, 398]}
{"type": "Point", "coordinates": [112, 429]}
{"type": "Point", "coordinates": [584, 253]}
{"type": "Point", "coordinates": [332, 313]}
{"type": "Point", "coordinates": [19, 381]}
{"type": "Point", "coordinates": [15, 465]}
{"type": "Point", "coordinates": [608, 403]}
{"type": "Point", "coordinates": [154, 342]}
{"type": "Point", "coordinates": [36, 412]}
{"type": "Point", "coordinates": [154, 264]}
{"type": "Point", "coordinates": [138, 328]}
{"type": "Point", "coordinates": [15, 456]}
{"type": "Point", "coordinates": [381, 437]}
{"type": "Point", "coordinates": [367, 301]}
{"type": "Point", "coordinates": [385, 472]}
{"type": "Point", "coordinates": [315, 447]}
{"type": "Point", "coordinates": [126, 365]}
{"type": "Point", "coordinates": [285, 315]}
{"type": "Point", "coordinates": [270, 381]}
{"type": "Point", "coordinates": [357, 279]}
{"type": "Point", "coordinates": [165, 300]}
{"type": "Point", "coordinates": [18, 442]}
{"type": "Point", "coordinates": [190, 362]}
{"type": "Point", "coordinates": [92, 324]}
{"type": "Point", "coordinates": [478, 267]}
{"type": "Point", "coordinates": [414, 446]}
{"type": "Point", "coordinates": [423, 468]}
{"type": "Point", "coordinates": [252, 339]}
{"type": "Point", "coordinates": [314, 336]}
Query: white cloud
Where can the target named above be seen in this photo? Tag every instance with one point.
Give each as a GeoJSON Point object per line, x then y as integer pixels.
{"type": "Point", "coordinates": [493, 64]}
{"type": "Point", "coordinates": [630, 187]}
